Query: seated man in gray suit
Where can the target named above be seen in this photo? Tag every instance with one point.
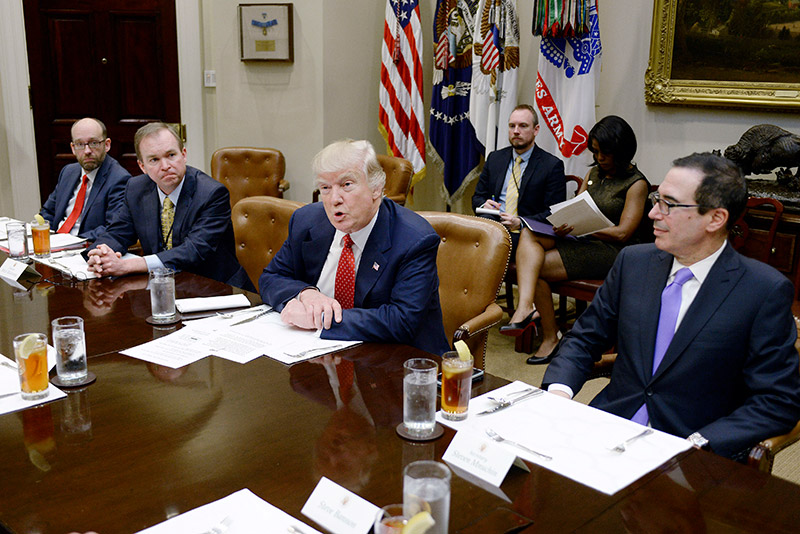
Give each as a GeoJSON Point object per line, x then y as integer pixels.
{"type": "Point", "coordinates": [90, 191]}
{"type": "Point", "coordinates": [705, 336]}
{"type": "Point", "coordinates": [181, 216]}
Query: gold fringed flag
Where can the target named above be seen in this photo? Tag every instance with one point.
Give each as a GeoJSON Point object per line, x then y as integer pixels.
{"type": "Point", "coordinates": [561, 18]}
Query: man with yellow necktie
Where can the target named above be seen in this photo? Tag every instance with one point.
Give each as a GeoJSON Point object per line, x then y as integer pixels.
{"type": "Point", "coordinates": [181, 216]}
{"type": "Point", "coordinates": [522, 179]}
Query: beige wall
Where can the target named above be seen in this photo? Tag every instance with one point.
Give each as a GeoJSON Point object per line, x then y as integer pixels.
{"type": "Point", "coordinates": [331, 90]}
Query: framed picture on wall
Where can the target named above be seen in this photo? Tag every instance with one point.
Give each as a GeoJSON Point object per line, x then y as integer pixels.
{"type": "Point", "coordinates": [727, 53]}
{"type": "Point", "coordinates": [266, 32]}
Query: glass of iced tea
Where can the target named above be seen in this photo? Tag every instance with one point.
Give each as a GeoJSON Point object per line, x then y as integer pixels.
{"type": "Point", "coordinates": [31, 354]}
{"type": "Point", "coordinates": [391, 520]}
{"type": "Point", "coordinates": [40, 231]}
{"type": "Point", "coordinates": [456, 386]}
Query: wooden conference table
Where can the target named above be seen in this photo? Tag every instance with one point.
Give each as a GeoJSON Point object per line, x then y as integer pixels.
{"type": "Point", "coordinates": [145, 443]}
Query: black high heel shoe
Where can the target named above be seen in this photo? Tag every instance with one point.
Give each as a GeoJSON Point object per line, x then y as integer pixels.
{"type": "Point", "coordinates": [539, 360]}
{"type": "Point", "coordinates": [517, 329]}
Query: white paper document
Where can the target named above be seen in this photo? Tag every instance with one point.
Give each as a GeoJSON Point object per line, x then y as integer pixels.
{"type": "Point", "coordinates": [237, 339]}
{"type": "Point", "coordinates": [580, 212]}
{"type": "Point", "coordinates": [70, 263]}
{"type": "Point", "coordinates": [224, 302]}
{"type": "Point", "coordinates": [579, 438]}
{"type": "Point", "coordinates": [10, 398]}
{"type": "Point", "coordinates": [242, 512]}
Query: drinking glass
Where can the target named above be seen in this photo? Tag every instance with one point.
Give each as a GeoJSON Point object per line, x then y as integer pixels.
{"type": "Point", "coordinates": [162, 295]}
{"type": "Point", "coordinates": [426, 486]}
{"type": "Point", "coordinates": [17, 241]}
{"type": "Point", "coordinates": [69, 341]}
{"type": "Point", "coordinates": [419, 396]}
{"type": "Point", "coordinates": [41, 239]}
{"type": "Point", "coordinates": [31, 354]}
{"type": "Point", "coordinates": [390, 520]}
{"type": "Point", "coordinates": [456, 386]}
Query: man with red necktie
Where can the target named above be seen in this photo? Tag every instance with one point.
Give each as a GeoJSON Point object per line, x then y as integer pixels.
{"type": "Point", "coordinates": [705, 336]}
{"type": "Point", "coordinates": [88, 192]}
{"type": "Point", "coordinates": [356, 264]}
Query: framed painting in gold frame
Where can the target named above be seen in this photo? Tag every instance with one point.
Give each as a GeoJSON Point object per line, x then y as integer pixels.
{"type": "Point", "coordinates": [266, 32]}
{"type": "Point", "coordinates": [724, 53]}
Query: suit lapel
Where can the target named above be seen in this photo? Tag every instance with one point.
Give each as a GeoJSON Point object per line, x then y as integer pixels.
{"type": "Point", "coordinates": [715, 289]}
{"type": "Point", "coordinates": [183, 207]}
{"type": "Point", "coordinates": [62, 201]}
{"type": "Point", "coordinates": [658, 266]}
{"type": "Point", "coordinates": [97, 186]}
{"type": "Point", "coordinates": [150, 232]}
{"type": "Point", "coordinates": [315, 250]}
{"type": "Point", "coordinates": [527, 175]}
{"type": "Point", "coordinates": [373, 259]}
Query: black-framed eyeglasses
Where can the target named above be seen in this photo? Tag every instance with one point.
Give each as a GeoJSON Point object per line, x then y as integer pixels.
{"type": "Point", "coordinates": [665, 205]}
{"type": "Point", "coordinates": [94, 145]}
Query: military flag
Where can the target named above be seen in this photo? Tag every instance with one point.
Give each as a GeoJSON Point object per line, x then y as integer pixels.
{"type": "Point", "coordinates": [453, 145]}
{"type": "Point", "coordinates": [495, 65]}
{"type": "Point", "coordinates": [565, 94]}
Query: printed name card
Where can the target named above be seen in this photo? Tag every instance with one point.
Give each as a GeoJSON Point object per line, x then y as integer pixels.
{"type": "Point", "coordinates": [479, 456]}
{"type": "Point", "coordinates": [339, 510]}
{"type": "Point", "coordinates": [12, 270]}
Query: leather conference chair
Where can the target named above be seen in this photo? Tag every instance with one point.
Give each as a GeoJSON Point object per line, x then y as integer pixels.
{"type": "Point", "coordinates": [260, 226]}
{"type": "Point", "coordinates": [398, 171]}
{"type": "Point", "coordinates": [470, 245]}
{"type": "Point", "coordinates": [752, 242]}
{"type": "Point", "coordinates": [249, 172]}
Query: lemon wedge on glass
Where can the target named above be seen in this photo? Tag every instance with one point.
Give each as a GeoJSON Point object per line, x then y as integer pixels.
{"type": "Point", "coordinates": [419, 523]}
{"type": "Point", "coordinates": [38, 218]}
{"type": "Point", "coordinates": [27, 346]}
{"type": "Point", "coordinates": [463, 350]}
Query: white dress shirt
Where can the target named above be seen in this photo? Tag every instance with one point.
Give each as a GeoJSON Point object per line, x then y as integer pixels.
{"type": "Point", "coordinates": [327, 278]}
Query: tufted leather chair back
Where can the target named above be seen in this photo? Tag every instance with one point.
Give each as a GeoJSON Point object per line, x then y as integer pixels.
{"type": "Point", "coordinates": [472, 260]}
{"type": "Point", "coordinates": [398, 177]}
{"type": "Point", "coordinates": [248, 172]}
{"type": "Point", "coordinates": [260, 226]}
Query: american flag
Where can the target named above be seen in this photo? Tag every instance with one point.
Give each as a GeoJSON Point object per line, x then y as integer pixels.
{"type": "Point", "coordinates": [491, 50]}
{"type": "Point", "coordinates": [401, 111]}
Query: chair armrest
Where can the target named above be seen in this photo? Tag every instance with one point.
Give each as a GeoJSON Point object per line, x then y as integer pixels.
{"type": "Point", "coordinates": [283, 185]}
{"type": "Point", "coordinates": [763, 454]}
{"type": "Point", "coordinates": [315, 195]}
{"type": "Point", "coordinates": [483, 321]}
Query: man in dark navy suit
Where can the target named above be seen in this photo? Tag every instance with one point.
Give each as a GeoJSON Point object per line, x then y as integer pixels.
{"type": "Point", "coordinates": [181, 216]}
{"type": "Point", "coordinates": [357, 264]}
{"type": "Point", "coordinates": [705, 336]}
{"type": "Point", "coordinates": [527, 187]}
{"type": "Point", "coordinates": [90, 191]}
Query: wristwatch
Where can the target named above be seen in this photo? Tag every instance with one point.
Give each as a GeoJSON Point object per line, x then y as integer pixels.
{"type": "Point", "coordinates": [699, 441]}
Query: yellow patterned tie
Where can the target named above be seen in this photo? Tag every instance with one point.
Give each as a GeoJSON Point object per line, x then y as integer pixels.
{"type": "Point", "coordinates": [167, 217]}
{"type": "Point", "coordinates": [512, 191]}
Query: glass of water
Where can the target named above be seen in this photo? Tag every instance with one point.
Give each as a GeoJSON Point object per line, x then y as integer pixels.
{"type": "Point", "coordinates": [162, 295]}
{"type": "Point", "coordinates": [419, 397]}
{"type": "Point", "coordinates": [70, 344]}
{"type": "Point", "coordinates": [17, 241]}
{"type": "Point", "coordinates": [426, 486]}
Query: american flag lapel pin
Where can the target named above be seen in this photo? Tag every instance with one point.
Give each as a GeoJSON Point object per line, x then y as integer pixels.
{"type": "Point", "coordinates": [375, 266]}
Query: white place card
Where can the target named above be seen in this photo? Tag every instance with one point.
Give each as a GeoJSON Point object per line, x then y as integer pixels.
{"type": "Point", "coordinates": [480, 456]}
{"type": "Point", "coordinates": [11, 269]}
{"type": "Point", "coordinates": [339, 510]}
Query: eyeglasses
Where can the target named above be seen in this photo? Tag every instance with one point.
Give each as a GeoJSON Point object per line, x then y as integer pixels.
{"type": "Point", "coordinates": [665, 205]}
{"type": "Point", "coordinates": [94, 145]}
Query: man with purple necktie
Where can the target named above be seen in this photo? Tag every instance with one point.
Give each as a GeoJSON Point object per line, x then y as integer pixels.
{"type": "Point", "coordinates": [705, 337]}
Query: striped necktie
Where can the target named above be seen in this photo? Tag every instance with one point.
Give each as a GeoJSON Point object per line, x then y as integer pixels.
{"type": "Point", "coordinates": [167, 218]}
{"type": "Point", "coordinates": [512, 191]}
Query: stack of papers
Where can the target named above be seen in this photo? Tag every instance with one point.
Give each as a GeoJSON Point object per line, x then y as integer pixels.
{"type": "Point", "coordinates": [581, 213]}
{"type": "Point", "coordinates": [238, 513]}
{"type": "Point", "coordinates": [579, 438]}
{"type": "Point", "coordinates": [241, 336]}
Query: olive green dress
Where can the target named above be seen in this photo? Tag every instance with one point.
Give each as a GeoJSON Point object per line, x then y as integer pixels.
{"type": "Point", "coordinates": [589, 257]}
